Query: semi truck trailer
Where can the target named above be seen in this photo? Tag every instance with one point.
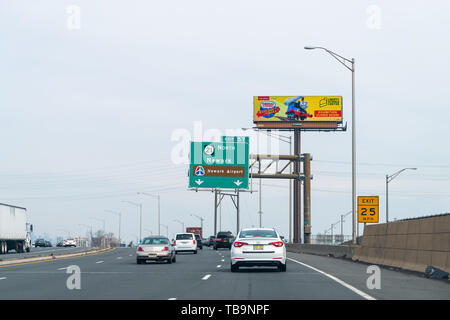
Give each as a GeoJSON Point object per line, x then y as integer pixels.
{"type": "Point", "coordinates": [14, 229]}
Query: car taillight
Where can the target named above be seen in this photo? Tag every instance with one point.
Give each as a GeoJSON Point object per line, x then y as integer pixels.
{"type": "Point", "coordinates": [231, 239]}
{"type": "Point", "coordinates": [174, 241]}
{"type": "Point", "coordinates": [277, 244]}
{"type": "Point", "coordinates": [140, 249]}
{"type": "Point", "coordinates": [238, 244]}
{"type": "Point", "coordinates": [194, 241]}
{"type": "Point", "coordinates": [218, 239]}
{"type": "Point", "coordinates": [165, 249]}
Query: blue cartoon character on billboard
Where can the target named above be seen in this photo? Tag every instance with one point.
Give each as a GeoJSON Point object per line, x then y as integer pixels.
{"type": "Point", "coordinates": [296, 108]}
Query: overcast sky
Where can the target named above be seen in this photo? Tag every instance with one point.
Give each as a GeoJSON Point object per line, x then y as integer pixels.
{"type": "Point", "coordinates": [90, 104]}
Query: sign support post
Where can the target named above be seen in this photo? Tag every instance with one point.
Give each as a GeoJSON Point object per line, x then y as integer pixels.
{"type": "Point", "coordinates": [297, 189]}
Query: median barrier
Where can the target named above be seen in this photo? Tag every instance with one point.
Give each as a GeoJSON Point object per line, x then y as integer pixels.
{"type": "Point", "coordinates": [337, 251]}
{"type": "Point", "coordinates": [412, 244]}
{"type": "Point", "coordinates": [53, 257]}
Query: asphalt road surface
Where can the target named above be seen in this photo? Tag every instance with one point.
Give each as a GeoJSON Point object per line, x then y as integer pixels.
{"type": "Point", "coordinates": [206, 276]}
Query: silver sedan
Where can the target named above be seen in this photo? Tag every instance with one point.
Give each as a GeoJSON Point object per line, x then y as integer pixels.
{"type": "Point", "coordinates": [155, 248]}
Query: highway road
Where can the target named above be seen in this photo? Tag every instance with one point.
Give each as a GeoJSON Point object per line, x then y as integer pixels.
{"type": "Point", "coordinates": [207, 276]}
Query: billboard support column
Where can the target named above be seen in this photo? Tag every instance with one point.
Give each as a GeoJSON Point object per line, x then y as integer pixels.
{"type": "Point", "coordinates": [237, 209]}
{"type": "Point", "coordinates": [215, 212]}
{"type": "Point", "coordinates": [297, 189]}
{"type": "Point", "coordinates": [307, 198]}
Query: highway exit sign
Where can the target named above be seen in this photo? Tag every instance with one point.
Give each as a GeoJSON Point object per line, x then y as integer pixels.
{"type": "Point", "coordinates": [219, 165]}
{"type": "Point", "coordinates": [368, 209]}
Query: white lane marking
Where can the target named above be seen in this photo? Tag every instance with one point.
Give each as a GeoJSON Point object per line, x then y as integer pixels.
{"type": "Point", "coordinates": [218, 266]}
{"type": "Point", "coordinates": [130, 255]}
{"type": "Point", "coordinates": [3, 278]}
{"type": "Point", "coordinates": [222, 260]}
{"type": "Point", "coordinates": [359, 292]}
{"type": "Point", "coordinates": [100, 261]}
{"type": "Point", "coordinates": [62, 268]}
{"type": "Point", "coordinates": [119, 257]}
{"type": "Point", "coordinates": [172, 299]}
{"type": "Point", "coordinates": [206, 277]}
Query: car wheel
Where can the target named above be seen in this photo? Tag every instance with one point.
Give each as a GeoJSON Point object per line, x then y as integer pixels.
{"type": "Point", "coordinates": [174, 259]}
{"type": "Point", "coordinates": [215, 248]}
{"type": "Point", "coordinates": [169, 261]}
{"type": "Point", "coordinates": [282, 267]}
{"type": "Point", "coordinates": [138, 261]}
{"type": "Point", "coordinates": [195, 252]}
{"type": "Point", "coordinates": [234, 268]}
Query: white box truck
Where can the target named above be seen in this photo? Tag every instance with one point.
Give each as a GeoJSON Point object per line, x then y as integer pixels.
{"type": "Point", "coordinates": [14, 229]}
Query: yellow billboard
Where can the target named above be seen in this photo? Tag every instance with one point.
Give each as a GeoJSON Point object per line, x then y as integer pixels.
{"type": "Point", "coordinates": [297, 108]}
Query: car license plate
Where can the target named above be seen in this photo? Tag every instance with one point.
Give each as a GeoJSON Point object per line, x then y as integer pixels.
{"type": "Point", "coordinates": [258, 247]}
{"type": "Point", "coordinates": [152, 255]}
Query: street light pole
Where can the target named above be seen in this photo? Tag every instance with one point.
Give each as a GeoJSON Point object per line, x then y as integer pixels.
{"type": "Point", "coordinates": [344, 62]}
{"type": "Point", "coordinates": [120, 222]}
{"type": "Point", "coordinates": [159, 208]}
{"type": "Point", "coordinates": [102, 220]}
{"type": "Point", "coordinates": [139, 205]}
{"type": "Point", "coordinates": [201, 220]}
{"type": "Point", "coordinates": [182, 224]}
{"type": "Point", "coordinates": [167, 229]}
{"type": "Point", "coordinates": [389, 178]}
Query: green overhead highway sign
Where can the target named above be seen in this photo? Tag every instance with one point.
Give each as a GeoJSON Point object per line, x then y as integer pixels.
{"type": "Point", "coordinates": [219, 165]}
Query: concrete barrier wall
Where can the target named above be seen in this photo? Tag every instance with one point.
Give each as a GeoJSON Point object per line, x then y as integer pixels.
{"type": "Point", "coordinates": [410, 244]}
{"type": "Point", "coordinates": [322, 249]}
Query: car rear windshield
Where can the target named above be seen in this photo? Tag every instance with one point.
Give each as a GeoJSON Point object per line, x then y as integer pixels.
{"type": "Point", "coordinates": [258, 234]}
{"type": "Point", "coordinates": [224, 235]}
{"type": "Point", "coordinates": [184, 236]}
{"type": "Point", "coordinates": [156, 241]}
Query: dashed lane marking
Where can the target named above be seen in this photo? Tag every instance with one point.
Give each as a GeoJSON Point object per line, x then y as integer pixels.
{"type": "Point", "coordinates": [206, 277]}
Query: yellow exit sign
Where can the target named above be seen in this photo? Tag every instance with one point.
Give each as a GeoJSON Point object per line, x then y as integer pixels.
{"type": "Point", "coordinates": [368, 209]}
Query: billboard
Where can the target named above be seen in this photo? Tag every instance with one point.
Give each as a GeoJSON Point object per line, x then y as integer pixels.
{"type": "Point", "coordinates": [301, 109]}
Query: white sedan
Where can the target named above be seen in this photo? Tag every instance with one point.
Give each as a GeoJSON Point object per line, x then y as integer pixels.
{"type": "Point", "coordinates": [258, 247]}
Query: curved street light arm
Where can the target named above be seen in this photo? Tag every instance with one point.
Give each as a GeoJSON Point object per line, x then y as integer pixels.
{"type": "Point", "coordinates": [391, 177]}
